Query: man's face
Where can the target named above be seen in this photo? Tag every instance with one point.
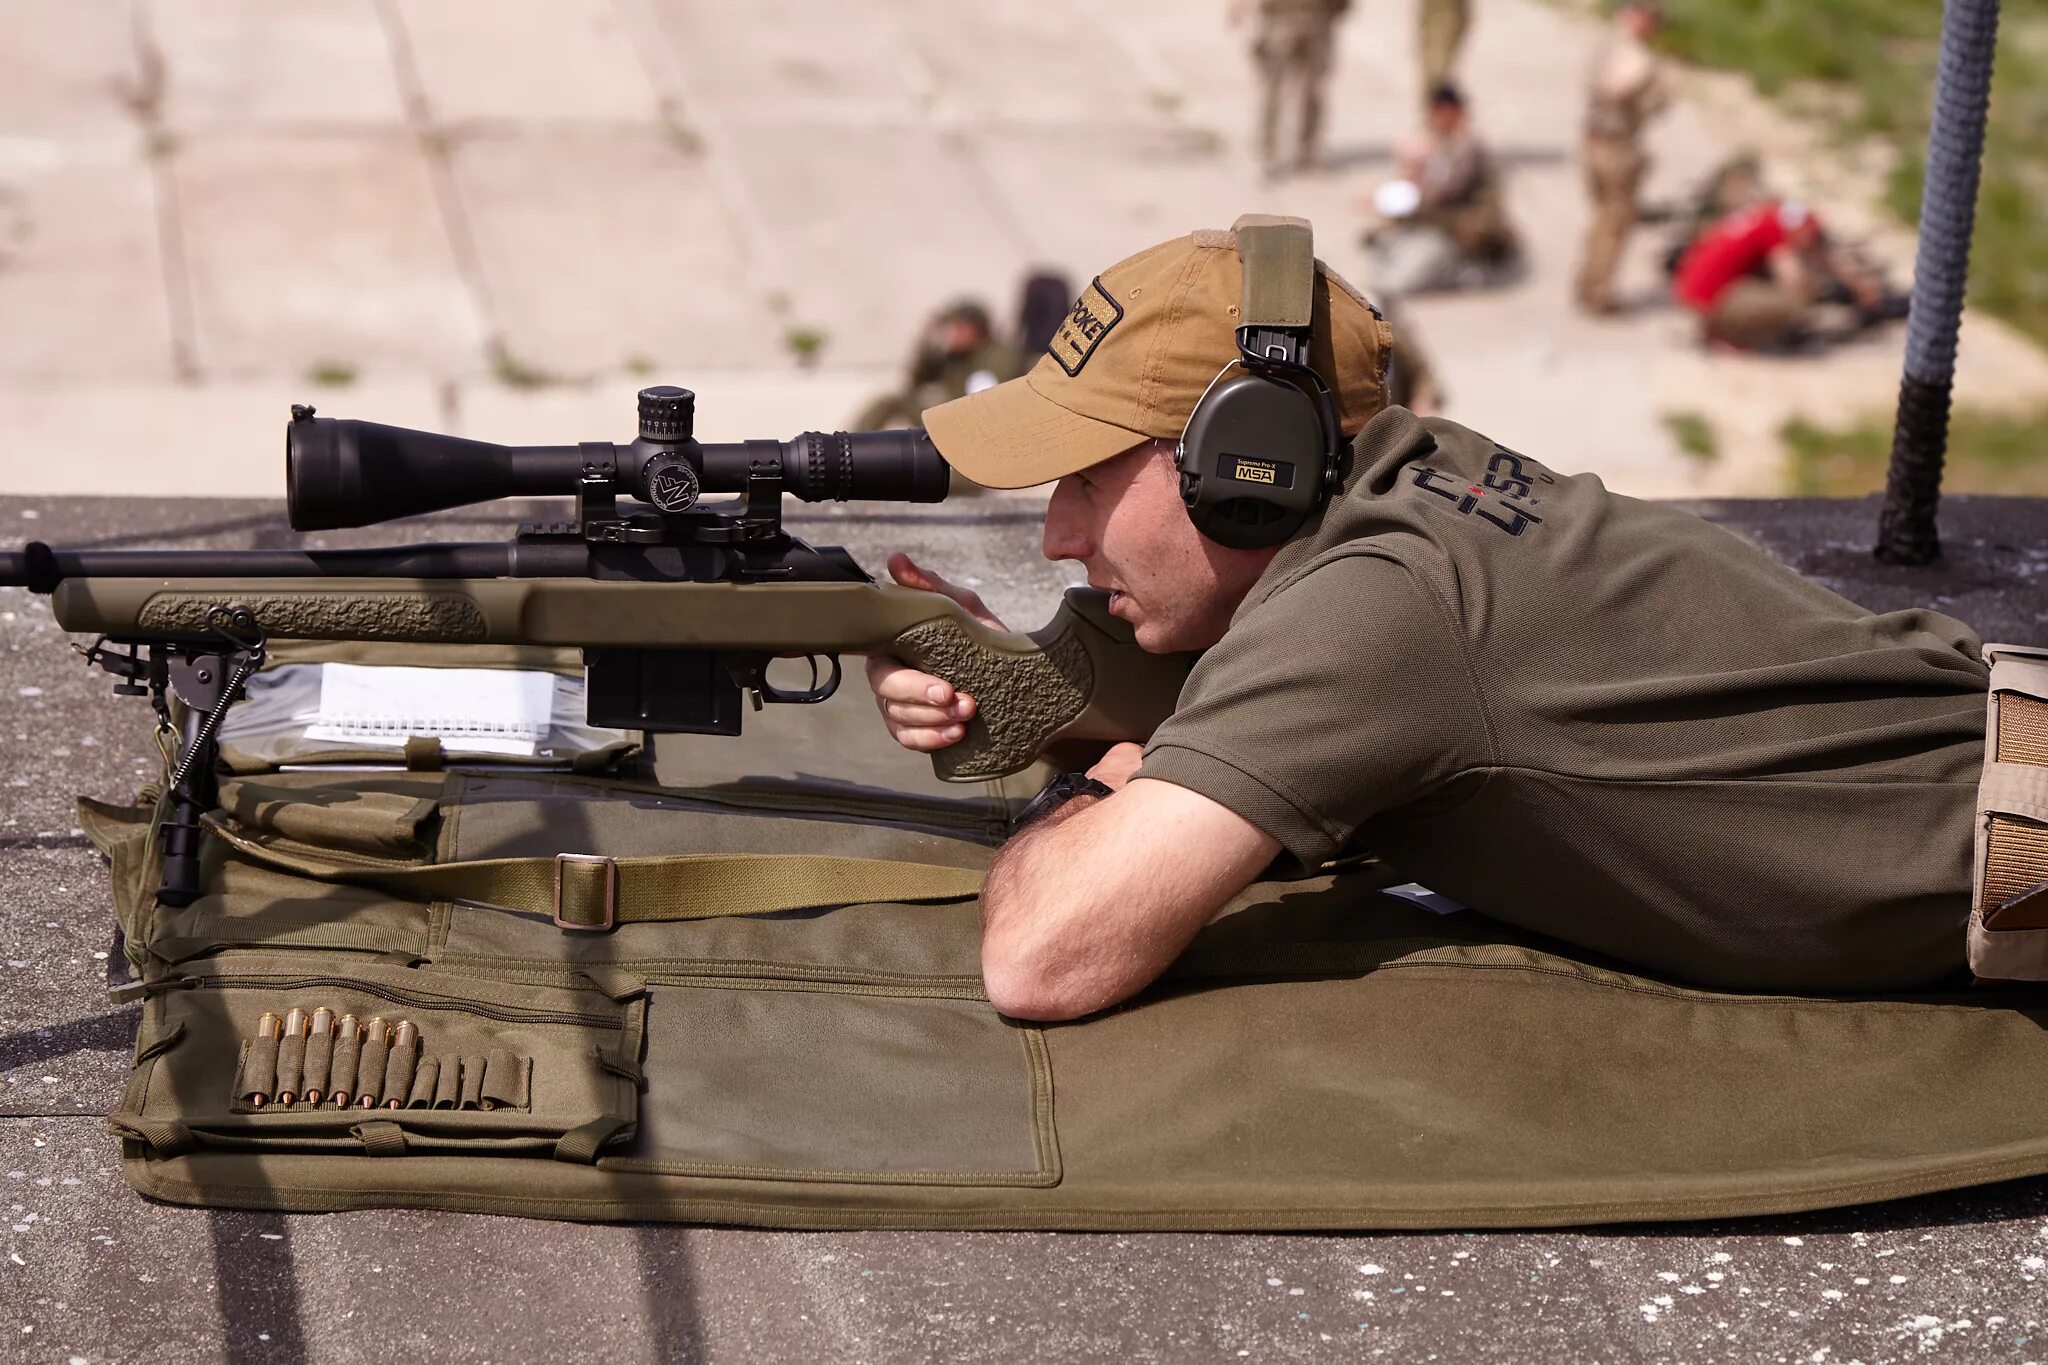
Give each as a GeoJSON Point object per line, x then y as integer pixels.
{"type": "Point", "coordinates": [1446, 118]}
{"type": "Point", "coordinates": [1124, 521]}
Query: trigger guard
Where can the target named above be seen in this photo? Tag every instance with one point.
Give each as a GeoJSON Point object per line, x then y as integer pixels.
{"type": "Point", "coordinates": [810, 696]}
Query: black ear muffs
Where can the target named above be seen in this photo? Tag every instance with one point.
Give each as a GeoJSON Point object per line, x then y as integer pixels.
{"type": "Point", "coordinates": [1260, 450]}
{"type": "Point", "coordinates": [1251, 460]}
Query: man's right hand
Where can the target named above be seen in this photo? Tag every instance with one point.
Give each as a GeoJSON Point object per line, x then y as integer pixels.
{"type": "Point", "coordinates": [922, 712]}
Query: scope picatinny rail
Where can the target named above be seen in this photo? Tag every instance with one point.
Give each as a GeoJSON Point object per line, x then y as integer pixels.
{"type": "Point", "coordinates": [344, 473]}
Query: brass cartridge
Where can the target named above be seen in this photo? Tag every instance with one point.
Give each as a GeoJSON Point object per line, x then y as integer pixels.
{"type": "Point", "coordinates": [370, 1069]}
{"type": "Point", "coordinates": [348, 1044]}
{"type": "Point", "coordinates": [404, 1060]}
{"type": "Point", "coordinates": [291, 1056]}
{"type": "Point", "coordinates": [266, 1031]}
{"type": "Point", "coordinates": [319, 1054]}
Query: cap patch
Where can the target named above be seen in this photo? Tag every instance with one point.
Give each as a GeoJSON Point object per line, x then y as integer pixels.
{"type": "Point", "coordinates": [1083, 329]}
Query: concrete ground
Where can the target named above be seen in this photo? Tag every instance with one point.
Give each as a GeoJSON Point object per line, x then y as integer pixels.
{"type": "Point", "coordinates": [499, 218]}
{"type": "Point", "coordinates": [91, 1272]}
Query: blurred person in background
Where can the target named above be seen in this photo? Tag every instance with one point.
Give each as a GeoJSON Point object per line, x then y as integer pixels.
{"type": "Point", "coordinates": [1042, 305]}
{"type": "Point", "coordinates": [957, 354]}
{"type": "Point", "coordinates": [1736, 183]}
{"type": "Point", "coordinates": [1626, 90]}
{"type": "Point", "coordinates": [1442, 223]}
{"type": "Point", "coordinates": [1767, 278]}
{"type": "Point", "coordinates": [1439, 32]}
{"type": "Point", "coordinates": [1293, 45]}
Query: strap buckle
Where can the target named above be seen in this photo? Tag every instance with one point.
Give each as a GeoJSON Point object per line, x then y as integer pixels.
{"type": "Point", "coordinates": [611, 892]}
{"type": "Point", "coordinates": [1274, 345]}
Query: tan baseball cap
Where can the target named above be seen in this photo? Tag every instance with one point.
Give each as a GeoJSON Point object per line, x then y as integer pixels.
{"type": "Point", "coordinates": [1135, 354]}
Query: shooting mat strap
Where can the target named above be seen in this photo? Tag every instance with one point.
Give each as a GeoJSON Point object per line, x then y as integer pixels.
{"type": "Point", "coordinates": [578, 891]}
{"type": "Point", "coordinates": [2009, 929]}
{"type": "Point", "coordinates": [1279, 271]}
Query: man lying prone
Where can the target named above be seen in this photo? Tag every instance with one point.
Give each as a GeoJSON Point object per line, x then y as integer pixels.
{"type": "Point", "coordinates": [1600, 719]}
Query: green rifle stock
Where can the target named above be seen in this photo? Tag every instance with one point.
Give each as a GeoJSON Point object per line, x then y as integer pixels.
{"type": "Point", "coordinates": [1078, 677]}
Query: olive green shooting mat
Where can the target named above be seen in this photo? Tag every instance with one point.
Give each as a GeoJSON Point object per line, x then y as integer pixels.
{"type": "Point", "coordinates": [1324, 1056]}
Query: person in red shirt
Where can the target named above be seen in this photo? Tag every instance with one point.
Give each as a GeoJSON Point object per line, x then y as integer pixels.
{"type": "Point", "coordinates": [1756, 276]}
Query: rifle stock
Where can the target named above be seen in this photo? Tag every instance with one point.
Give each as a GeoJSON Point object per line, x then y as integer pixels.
{"type": "Point", "coordinates": [1081, 676]}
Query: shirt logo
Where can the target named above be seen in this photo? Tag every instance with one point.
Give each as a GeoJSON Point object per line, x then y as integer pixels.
{"type": "Point", "coordinates": [1511, 481]}
{"type": "Point", "coordinates": [1084, 327]}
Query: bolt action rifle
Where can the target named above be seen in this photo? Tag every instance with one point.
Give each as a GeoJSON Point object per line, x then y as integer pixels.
{"type": "Point", "coordinates": [678, 605]}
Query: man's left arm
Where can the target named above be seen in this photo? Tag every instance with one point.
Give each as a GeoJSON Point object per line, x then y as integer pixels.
{"type": "Point", "coordinates": [1087, 905]}
{"type": "Point", "coordinates": [1342, 694]}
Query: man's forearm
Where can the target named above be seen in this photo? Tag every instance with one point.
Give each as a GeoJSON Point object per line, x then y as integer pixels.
{"type": "Point", "coordinates": [1085, 907]}
{"type": "Point", "coordinates": [1016, 860]}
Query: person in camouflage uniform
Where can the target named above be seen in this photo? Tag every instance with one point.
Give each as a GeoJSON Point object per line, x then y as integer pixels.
{"type": "Point", "coordinates": [1627, 90]}
{"type": "Point", "coordinates": [1293, 42]}
{"type": "Point", "coordinates": [958, 354]}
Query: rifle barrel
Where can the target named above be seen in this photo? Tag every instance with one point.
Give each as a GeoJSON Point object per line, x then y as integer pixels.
{"type": "Point", "coordinates": [41, 568]}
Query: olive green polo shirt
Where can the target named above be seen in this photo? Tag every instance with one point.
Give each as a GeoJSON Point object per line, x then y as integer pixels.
{"type": "Point", "coordinates": [1601, 719]}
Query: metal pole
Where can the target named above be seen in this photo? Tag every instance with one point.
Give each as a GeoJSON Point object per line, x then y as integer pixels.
{"type": "Point", "coordinates": [1906, 532]}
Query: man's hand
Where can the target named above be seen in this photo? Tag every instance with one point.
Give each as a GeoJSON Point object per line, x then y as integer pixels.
{"type": "Point", "coordinates": [922, 712]}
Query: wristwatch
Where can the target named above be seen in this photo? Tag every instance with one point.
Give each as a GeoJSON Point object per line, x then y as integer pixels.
{"type": "Point", "coordinates": [1063, 788]}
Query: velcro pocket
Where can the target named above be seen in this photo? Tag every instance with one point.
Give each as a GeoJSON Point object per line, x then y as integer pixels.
{"type": "Point", "coordinates": [372, 820]}
{"type": "Point", "coordinates": [781, 1080]}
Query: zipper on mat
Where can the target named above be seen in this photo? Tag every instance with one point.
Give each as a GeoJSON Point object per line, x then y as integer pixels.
{"type": "Point", "coordinates": [505, 1013]}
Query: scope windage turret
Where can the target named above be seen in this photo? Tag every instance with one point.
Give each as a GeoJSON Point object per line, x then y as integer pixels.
{"type": "Point", "coordinates": [341, 473]}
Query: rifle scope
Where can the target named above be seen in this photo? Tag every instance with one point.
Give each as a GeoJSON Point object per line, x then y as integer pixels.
{"type": "Point", "coordinates": [341, 473]}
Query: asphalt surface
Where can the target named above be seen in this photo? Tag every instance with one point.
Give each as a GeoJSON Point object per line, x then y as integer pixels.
{"type": "Point", "coordinates": [91, 1272]}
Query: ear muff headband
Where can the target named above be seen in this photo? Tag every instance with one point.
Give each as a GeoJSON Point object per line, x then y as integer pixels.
{"type": "Point", "coordinates": [1260, 451]}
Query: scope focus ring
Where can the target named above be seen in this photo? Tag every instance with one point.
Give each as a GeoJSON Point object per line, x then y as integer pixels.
{"type": "Point", "coordinates": [828, 464]}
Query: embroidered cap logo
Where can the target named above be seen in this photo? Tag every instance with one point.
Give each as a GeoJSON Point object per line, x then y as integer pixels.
{"type": "Point", "coordinates": [1089, 321]}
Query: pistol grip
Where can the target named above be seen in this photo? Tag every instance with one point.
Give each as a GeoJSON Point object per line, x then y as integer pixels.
{"type": "Point", "coordinates": [1079, 676]}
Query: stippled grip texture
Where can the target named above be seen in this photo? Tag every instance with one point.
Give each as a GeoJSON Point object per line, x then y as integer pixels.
{"type": "Point", "coordinates": [1022, 700]}
{"type": "Point", "coordinates": [426, 617]}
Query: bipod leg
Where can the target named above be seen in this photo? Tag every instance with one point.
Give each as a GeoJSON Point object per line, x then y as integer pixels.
{"type": "Point", "coordinates": [195, 791]}
{"type": "Point", "coordinates": [208, 682]}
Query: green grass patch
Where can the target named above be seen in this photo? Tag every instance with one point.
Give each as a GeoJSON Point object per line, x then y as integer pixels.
{"type": "Point", "coordinates": [332, 373]}
{"type": "Point", "coordinates": [807, 344]}
{"type": "Point", "coordinates": [515, 373]}
{"type": "Point", "coordinates": [1881, 54]}
{"type": "Point", "coordinates": [1987, 453]}
{"type": "Point", "coordinates": [1694, 435]}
